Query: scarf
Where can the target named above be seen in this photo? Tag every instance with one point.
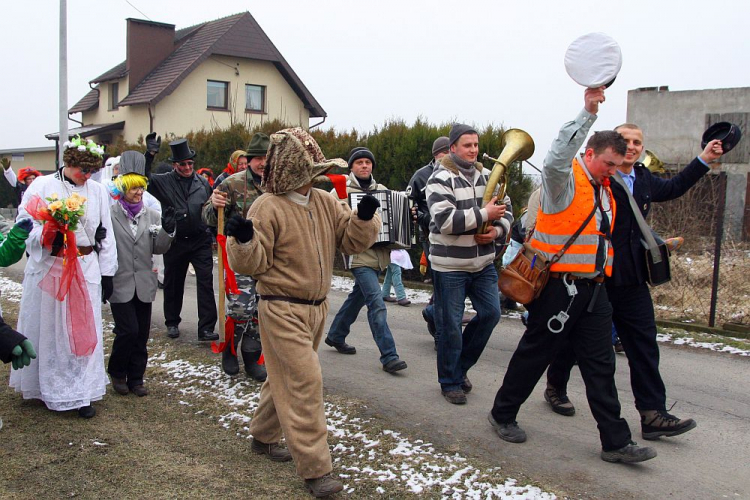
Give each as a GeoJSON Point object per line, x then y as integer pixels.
{"type": "Point", "coordinates": [131, 209]}
{"type": "Point", "coordinates": [364, 183]}
{"type": "Point", "coordinates": [230, 169]}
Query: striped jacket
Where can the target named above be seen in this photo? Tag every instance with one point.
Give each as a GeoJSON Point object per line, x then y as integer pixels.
{"type": "Point", "coordinates": [455, 208]}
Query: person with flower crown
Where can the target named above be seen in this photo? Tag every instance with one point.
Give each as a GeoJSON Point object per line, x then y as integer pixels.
{"type": "Point", "coordinates": [140, 232]}
{"type": "Point", "coordinates": [71, 264]}
{"type": "Point", "coordinates": [287, 243]}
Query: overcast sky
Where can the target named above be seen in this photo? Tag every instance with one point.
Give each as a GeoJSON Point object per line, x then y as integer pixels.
{"type": "Point", "coordinates": [474, 61]}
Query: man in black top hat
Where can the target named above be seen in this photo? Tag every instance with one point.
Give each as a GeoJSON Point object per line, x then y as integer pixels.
{"type": "Point", "coordinates": [186, 192]}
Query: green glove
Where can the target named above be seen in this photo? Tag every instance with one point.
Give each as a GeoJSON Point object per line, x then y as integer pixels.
{"type": "Point", "coordinates": [22, 354]}
{"type": "Point", "coordinates": [5, 162]}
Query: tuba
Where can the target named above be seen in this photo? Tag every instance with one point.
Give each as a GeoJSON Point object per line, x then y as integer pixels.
{"type": "Point", "coordinates": [653, 163]}
{"type": "Point", "coordinates": [517, 146]}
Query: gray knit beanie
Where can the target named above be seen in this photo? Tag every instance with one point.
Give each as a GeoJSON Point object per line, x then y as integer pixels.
{"type": "Point", "coordinates": [441, 145]}
{"type": "Point", "coordinates": [459, 129]}
{"type": "Point", "coordinates": [361, 152]}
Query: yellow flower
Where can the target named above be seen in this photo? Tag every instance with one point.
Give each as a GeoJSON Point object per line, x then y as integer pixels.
{"type": "Point", "coordinates": [53, 196]}
{"type": "Point", "coordinates": [72, 204]}
{"type": "Point", "coordinates": [55, 206]}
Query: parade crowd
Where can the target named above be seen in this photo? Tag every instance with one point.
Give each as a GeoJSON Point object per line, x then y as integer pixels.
{"type": "Point", "coordinates": [114, 230]}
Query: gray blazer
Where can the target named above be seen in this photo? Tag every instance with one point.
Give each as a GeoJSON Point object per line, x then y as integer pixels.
{"type": "Point", "coordinates": [135, 274]}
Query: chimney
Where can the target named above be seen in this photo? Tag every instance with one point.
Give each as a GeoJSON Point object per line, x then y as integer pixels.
{"type": "Point", "coordinates": [149, 43]}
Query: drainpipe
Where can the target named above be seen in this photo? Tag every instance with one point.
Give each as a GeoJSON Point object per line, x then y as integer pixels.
{"type": "Point", "coordinates": [150, 119]}
{"type": "Point", "coordinates": [318, 124]}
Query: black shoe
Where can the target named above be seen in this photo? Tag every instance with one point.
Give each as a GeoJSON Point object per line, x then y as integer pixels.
{"type": "Point", "coordinates": [618, 347]}
{"type": "Point", "coordinates": [86, 411]}
{"type": "Point", "coordinates": [342, 347]}
{"type": "Point", "coordinates": [430, 323]}
{"type": "Point", "coordinates": [466, 385]}
{"type": "Point", "coordinates": [160, 285]}
{"type": "Point", "coordinates": [173, 332]}
{"type": "Point", "coordinates": [455, 397]}
{"type": "Point", "coordinates": [559, 402]}
{"type": "Point", "coordinates": [207, 336]}
{"type": "Point", "coordinates": [256, 372]}
{"type": "Point", "coordinates": [658, 423]}
{"type": "Point", "coordinates": [229, 362]}
{"type": "Point", "coordinates": [394, 365]}
{"type": "Point", "coordinates": [629, 454]}
{"type": "Point", "coordinates": [509, 432]}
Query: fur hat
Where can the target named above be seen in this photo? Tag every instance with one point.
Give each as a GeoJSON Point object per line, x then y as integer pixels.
{"type": "Point", "coordinates": [294, 159]}
{"type": "Point", "coordinates": [258, 145]}
{"type": "Point", "coordinates": [459, 129]}
{"type": "Point", "coordinates": [441, 145]}
{"type": "Point", "coordinates": [360, 152]}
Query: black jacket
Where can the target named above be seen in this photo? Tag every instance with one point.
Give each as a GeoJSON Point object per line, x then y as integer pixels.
{"type": "Point", "coordinates": [187, 198]}
{"type": "Point", "coordinates": [416, 191]}
{"type": "Point", "coordinates": [629, 267]}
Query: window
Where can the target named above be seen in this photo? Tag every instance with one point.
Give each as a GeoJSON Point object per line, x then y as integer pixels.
{"type": "Point", "coordinates": [217, 94]}
{"type": "Point", "coordinates": [255, 98]}
{"type": "Point", "coordinates": [114, 98]}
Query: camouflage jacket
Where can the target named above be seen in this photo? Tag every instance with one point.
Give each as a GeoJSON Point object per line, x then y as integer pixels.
{"type": "Point", "coordinates": [239, 199]}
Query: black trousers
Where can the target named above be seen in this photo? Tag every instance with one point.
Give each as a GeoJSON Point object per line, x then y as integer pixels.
{"type": "Point", "coordinates": [195, 250]}
{"type": "Point", "coordinates": [633, 316]}
{"type": "Point", "coordinates": [129, 355]}
{"type": "Point", "coordinates": [590, 336]}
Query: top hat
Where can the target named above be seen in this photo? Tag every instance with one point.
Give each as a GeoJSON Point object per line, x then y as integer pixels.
{"type": "Point", "coordinates": [258, 145]}
{"type": "Point", "coordinates": [181, 151]}
{"type": "Point", "coordinates": [593, 60]}
{"type": "Point", "coordinates": [728, 133]}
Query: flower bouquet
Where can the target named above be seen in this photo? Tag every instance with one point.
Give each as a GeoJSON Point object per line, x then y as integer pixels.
{"type": "Point", "coordinates": [67, 211]}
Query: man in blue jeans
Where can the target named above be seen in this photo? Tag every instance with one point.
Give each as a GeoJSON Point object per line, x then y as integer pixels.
{"type": "Point", "coordinates": [365, 267]}
{"type": "Point", "coordinates": [462, 259]}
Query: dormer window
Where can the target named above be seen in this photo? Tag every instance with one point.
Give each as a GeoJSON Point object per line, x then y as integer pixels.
{"type": "Point", "coordinates": [114, 95]}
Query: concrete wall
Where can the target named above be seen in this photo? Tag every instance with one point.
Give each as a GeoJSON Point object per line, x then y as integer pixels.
{"type": "Point", "coordinates": [673, 124]}
{"type": "Point", "coordinates": [44, 161]}
{"type": "Point", "coordinates": [185, 109]}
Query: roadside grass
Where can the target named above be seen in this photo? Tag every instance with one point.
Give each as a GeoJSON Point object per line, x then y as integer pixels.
{"type": "Point", "coordinates": [711, 341]}
{"type": "Point", "coordinates": [190, 437]}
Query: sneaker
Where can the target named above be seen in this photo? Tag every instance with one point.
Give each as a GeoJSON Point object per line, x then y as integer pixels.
{"type": "Point", "coordinates": [321, 487]}
{"type": "Point", "coordinates": [207, 336]}
{"type": "Point", "coordinates": [466, 318]}
{"type": "Point", "coordinates": [430, 324]}
{"type": "Point", "coordinates": [509, 432]}
{"type": "Point", "coordinates": [559, 402]}
{"type": "Point", "coordinates": [466, 385]}
{"type": "Point", "coordinates": [629, 454]}
{"type": "Point", "coordinates": [390, 298]}
{"type": "Point", "coordinates": [404, 302]}
{"type": "Point", "coordinates": [341, 347]}
{"type": "Point", "coordinates": [455, 397]}
{"type": "Point", "coordinates": [272, 450]}
{"type": "Point", "coordinates": [394, 365]}
{"type": "Point", "coordinates": [658, 423]}
{"type": "Point", "coordinates": [173, 332]}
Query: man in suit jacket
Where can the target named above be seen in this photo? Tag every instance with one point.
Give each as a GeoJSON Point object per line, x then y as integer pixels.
{"type": "Point", "coordinates": [633, 309]}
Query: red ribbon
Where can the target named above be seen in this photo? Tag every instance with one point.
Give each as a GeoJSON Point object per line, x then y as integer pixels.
{"type": "Point", "coordinates": [65, 279]}
{"type": "Point", "coordinates": [229, 326]}
{"type": "Point", "coordinates": [230, 280]}
{"type": "Point", "coordinates": [339, 184]}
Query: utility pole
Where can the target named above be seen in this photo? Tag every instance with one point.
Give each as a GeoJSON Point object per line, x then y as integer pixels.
{"type": "Point", "coordinates": [63, 135]}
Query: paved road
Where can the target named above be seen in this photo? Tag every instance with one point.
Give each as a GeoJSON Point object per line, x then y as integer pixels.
{"type": "Point", "coordinates": [562, 452]}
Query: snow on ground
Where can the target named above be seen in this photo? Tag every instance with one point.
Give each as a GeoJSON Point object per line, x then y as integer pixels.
{"type": "Point", "coordinates": [363, 454]}
{"type": "Point", "coordinates": [681, 337]}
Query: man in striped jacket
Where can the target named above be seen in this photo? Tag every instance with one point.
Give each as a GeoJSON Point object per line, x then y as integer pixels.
{"type": "Point", "coordinates": [462, 259]}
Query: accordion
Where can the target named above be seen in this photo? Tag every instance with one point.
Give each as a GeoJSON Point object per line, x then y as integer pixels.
{"type": "Point", "coordinates": [397, 230]}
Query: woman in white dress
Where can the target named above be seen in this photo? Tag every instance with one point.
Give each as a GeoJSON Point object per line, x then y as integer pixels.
{"type": "Point", "coordinates": [69, 373]}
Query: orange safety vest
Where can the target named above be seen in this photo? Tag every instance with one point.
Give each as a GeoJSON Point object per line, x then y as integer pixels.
{"type": "Point", "coordinates": [552, 231]}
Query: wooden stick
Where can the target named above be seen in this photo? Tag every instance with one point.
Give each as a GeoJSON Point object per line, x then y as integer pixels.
{"type": "Point", "coordinates": [222, 294]}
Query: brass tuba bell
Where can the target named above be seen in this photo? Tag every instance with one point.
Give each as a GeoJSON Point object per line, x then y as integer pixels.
{"type": "Point", "coordinates": [517, 146]}
{"type": "Point", "coordinates": [653, 163]}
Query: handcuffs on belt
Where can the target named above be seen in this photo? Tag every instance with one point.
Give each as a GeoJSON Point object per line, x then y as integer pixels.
{"type": "Point", "coordinates": [563, 316]}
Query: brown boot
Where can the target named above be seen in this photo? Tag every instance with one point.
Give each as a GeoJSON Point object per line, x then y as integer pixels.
{"type": "Point", "coordinates": [271, 450]}
{"type": "Point", "coordinates": [658, 423]}
{"type": "Point", "coordinates": [321, 487]}
{"type": "Point", "coordinates": [120, 385]}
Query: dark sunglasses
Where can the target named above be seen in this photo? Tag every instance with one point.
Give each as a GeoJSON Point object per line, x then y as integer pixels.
{"type": "Point", "coordinates": [188, 163]}
{"type": "Point", "coordinates": [86, 171]}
